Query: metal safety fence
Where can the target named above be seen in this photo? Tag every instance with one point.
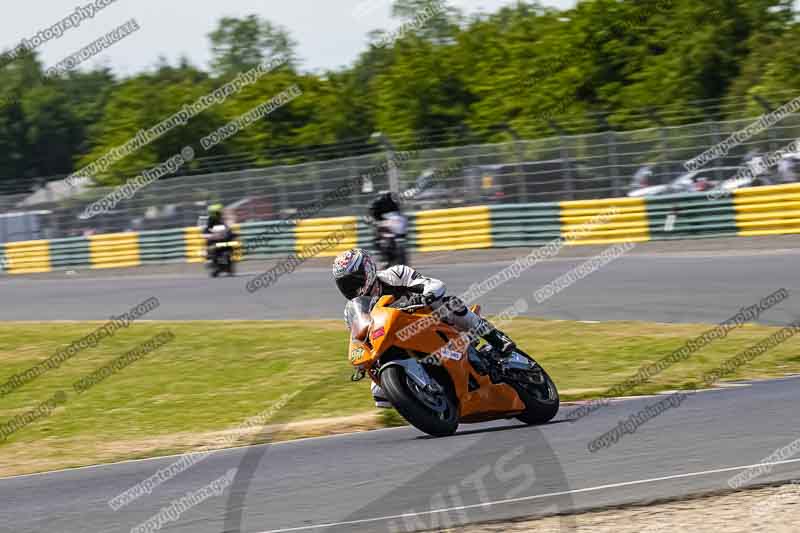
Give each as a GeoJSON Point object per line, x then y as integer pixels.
{"type": "Point", "coordinates": [553, 169]}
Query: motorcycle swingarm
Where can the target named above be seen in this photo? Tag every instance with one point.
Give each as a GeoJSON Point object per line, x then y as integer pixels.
{"type": "Point", "coordinates": [514, 368]}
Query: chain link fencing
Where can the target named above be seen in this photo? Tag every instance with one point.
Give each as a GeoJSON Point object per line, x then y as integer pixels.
{"type": "Point", "coordinates": [574, 167]}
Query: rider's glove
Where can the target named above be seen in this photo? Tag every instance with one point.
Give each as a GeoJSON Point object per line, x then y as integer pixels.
{"type": "Point", "coordinates": [416, 299]}
{"type": "Point", "coordinates": [429, 298]}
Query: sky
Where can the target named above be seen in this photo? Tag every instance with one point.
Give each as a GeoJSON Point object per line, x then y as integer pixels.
{"type": "Point", "coordinates": [330, 33]}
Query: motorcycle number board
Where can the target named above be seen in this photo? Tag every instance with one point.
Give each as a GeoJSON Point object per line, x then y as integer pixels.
{"type": "Point", "coordinates": [357, 354]}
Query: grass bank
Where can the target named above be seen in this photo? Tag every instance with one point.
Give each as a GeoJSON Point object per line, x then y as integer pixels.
{"type": "Point", "coordinates": [199, 389]}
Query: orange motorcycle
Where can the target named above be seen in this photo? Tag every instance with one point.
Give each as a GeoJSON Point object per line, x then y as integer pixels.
{"type": "Point", "coordinates": [435, 377]}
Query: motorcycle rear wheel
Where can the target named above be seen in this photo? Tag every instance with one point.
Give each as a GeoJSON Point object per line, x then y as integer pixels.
{"type": "Point", "coordinates": [400, 391]}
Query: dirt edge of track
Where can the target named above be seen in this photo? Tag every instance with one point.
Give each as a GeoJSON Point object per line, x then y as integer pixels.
{"type": "Point", "coordinates": [772, 507]}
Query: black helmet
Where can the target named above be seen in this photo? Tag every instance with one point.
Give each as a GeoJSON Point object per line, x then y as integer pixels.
{"type": "Point", "coordinates": [384, 203]}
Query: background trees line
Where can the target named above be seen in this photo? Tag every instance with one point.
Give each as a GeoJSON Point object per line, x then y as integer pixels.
{"type": "Point", "coordinates": [521, 66]}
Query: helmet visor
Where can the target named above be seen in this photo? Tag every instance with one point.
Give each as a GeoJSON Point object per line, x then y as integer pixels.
{"type": "Point", "coordinates": [351, 285]}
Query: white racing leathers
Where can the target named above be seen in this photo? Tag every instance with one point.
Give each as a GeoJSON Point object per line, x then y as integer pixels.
{"type": "Point", "coordinates": [401, 280]}
{"type": "Point", "coordinates": [394, 223]}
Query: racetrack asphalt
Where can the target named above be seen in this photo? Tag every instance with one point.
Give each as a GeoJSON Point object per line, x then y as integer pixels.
{"type": "Point", "coordinates": [494, 471]}
{"type": "Point", "coordinates": [675, 281]}
{"type": "Point", "coordinates": [399, 480]}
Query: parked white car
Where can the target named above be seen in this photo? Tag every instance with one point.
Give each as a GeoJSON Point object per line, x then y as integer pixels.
{"type": "Point", "coordinates": [694, 181]}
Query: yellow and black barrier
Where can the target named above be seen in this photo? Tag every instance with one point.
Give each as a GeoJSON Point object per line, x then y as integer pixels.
{"type": "Point", "coordinates": [605, 221]}
{"type": "Point", "coordinates": [114, 250]}
{"type": "Point", "coordinates": [27, 257]}
{"type": "Point", "coordinates": [328, 237]}
{"type": "Point", "coordinates": [771, 210]}
{"type": "Point", "coordinates": [451, 229]}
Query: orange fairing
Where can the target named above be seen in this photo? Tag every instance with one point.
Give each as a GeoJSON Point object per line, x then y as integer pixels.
{"type": "Point", "coordinates": [360, 353]}
{"type": "Point", "coordinates": [484, 402]}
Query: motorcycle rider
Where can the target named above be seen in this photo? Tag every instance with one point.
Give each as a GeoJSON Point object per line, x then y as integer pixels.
{"type": "Point", "coordinates": [356, 275]}
{"type": "Point", "coordinates": [390, 228]}
{"type": "Point", "coordinates": [212, 237]}
{"type": "Point", "coordinates": [214, 217]}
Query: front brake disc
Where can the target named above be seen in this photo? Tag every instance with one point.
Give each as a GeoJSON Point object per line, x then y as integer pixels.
{"type": "Point", "coordinates": [435, 402]}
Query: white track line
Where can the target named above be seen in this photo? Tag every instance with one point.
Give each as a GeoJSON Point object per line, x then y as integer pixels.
{"type": "Point", "coordinates": [529, 498]}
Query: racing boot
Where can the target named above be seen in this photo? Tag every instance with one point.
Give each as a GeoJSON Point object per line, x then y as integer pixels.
{"type": "Point", "coordinates": [457, 314]}
{"type": "Point", "coordinates": [379, 397]}
{"type": "Point", "coordinates": [498, 340]}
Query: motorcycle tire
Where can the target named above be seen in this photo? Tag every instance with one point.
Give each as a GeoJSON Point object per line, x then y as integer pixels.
{"type": "Point", "coordinates": [538, 411]}
{"type": "Point", "coordinates": [395, 386]}
{"type": "Point", "coordinates": [228, 266]}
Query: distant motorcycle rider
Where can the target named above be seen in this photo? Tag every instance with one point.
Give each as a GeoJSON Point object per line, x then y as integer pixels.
{"type": "Point", "coordinates": [212, 233]}
{"type": "Point", "coordinates": [356, 275]}
{"type": "Point", "coordinates": [391, 226]}
{"type": "Point", "coordinates": [214, 217]}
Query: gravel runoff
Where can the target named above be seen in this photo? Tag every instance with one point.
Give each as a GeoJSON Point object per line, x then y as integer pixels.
{"type": "Point", "coordinates": [770, 510]}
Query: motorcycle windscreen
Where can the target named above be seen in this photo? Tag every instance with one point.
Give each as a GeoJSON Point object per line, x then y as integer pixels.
{"type": "Point", "coordinates": [357, 317]}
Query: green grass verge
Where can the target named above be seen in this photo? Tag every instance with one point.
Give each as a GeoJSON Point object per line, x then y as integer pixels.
{"type": "Point", "coordinates": [213, 376]}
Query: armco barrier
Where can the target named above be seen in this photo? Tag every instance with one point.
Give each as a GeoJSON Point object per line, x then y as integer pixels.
{"type": "Point", "coordinates": [311, 232]}
{"type": "Point", "coordinates": [68, 253]}
{"type": "Point", "coordinates": [771, 210]}
{"type": "Point", "coordinates": [114, 250]}
{"type": "Point", "coordinates": [163, 246]}
{"type": "Point", "coordinates": [451, 229]}
{"type": "Point", "coordinates": [194, 245]}
{"type": "Point", "coordinates": [605, 221]}
{"type": "Point", "coordinates": [686, 216]}
{"type": "Point", "coordinates": [753, 211]}
{"type": "Point", "coordinates": [516, 225]}
{"type": "Point", "coordinates": [267, 239]}
{"type": "Point", "coordinates": [27, 257]}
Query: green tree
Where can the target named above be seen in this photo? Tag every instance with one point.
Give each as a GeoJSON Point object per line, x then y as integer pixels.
{"type": "Point", "coordinates": [442, 75]}
{"type": "Point", "coordinates": [239, 44]}
{"type": "Point", "coordinates": [433, 20]}
{"type": "Point", "coordinates": [141, 102]}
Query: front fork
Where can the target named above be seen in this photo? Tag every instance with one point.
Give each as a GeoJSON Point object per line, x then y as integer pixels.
{"type": "Point", "coordinates": [416, 372]}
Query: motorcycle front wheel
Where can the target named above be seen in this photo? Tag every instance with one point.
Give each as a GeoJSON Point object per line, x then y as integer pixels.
{"type": "Point", "coordinates": [434, 415]}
